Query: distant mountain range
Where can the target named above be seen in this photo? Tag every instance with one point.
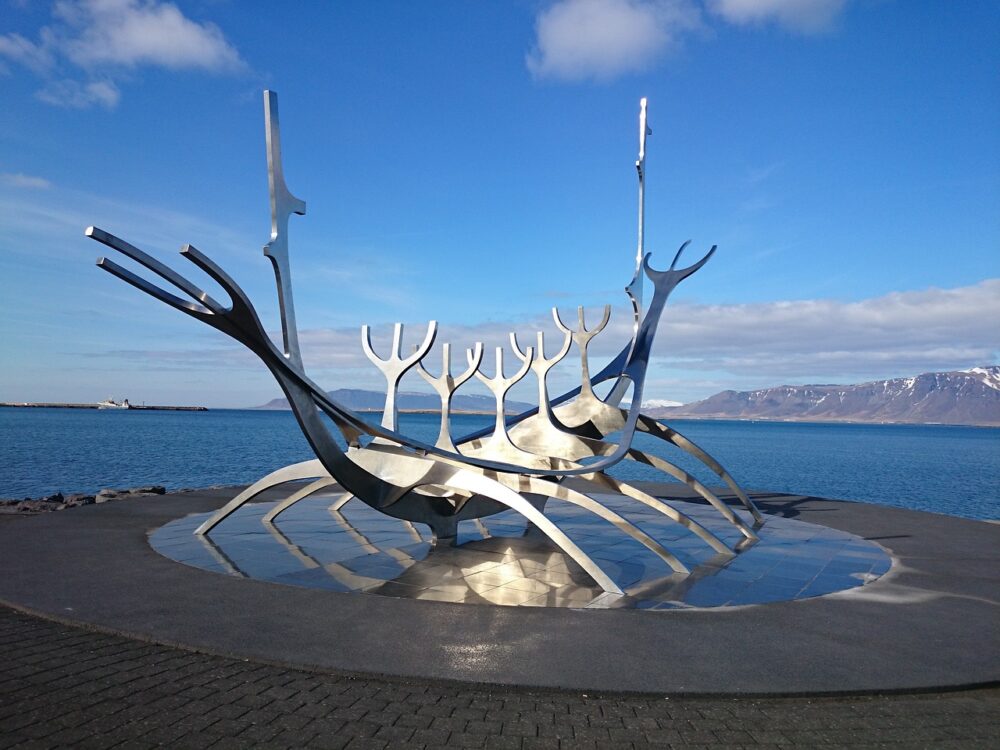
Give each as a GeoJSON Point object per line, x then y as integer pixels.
{"type": "Point", "coordinates": [970, 397]}
{"type": "Point", "coordinates": [359, 400]}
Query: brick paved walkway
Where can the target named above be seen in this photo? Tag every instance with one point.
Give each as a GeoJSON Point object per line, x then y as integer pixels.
{"type": "Point", "coordinates": [62, 686]}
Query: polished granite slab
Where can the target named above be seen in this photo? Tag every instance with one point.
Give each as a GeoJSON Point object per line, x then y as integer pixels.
{"type": "Point", "coordinates": [503, 560]}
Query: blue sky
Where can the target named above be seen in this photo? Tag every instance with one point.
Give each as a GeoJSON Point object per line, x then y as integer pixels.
{"type": "Point", "coordinates": [473, 163]}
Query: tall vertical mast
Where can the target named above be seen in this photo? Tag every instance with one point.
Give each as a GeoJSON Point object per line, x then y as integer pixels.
{"type": "Point", "coordinates": [640, 166]}
{"type": "Point", "coordinates": [634, 288]}
{"type": "Point", "coordinates": [283, 205]}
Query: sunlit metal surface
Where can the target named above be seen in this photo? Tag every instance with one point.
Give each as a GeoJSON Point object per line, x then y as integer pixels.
{"type": "Point", "coordinates": [283, 205]}
{"type": "Point", "coordinates": [518, 465]}
{"type": "Point", "coordinates": [502, 560]}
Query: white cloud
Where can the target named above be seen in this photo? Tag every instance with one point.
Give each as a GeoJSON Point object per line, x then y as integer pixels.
{"type": "Point", "coordinates": [806, 16]}
{"type": "Point", "coordinates": [701, 349]}
{"type": "Point", "coordinates": [603, 39]}
{"type": "Point", "coordinates": [577, 40]}
{"type": "Point", "coordinates": [103, 39]}
{"type": "Point", "coordinates": [19, 180]}
{"type": "Point", "coordinates": [143, 32]}
{"type": "Point", "coordinates": [79, 94]}
{"type": "Point", "coordinates": [36, 57]}
{"type": "Point", "coordinates": [903, 333]}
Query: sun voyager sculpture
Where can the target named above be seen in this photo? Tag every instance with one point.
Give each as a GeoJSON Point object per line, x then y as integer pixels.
{"type": "Point", "coordinates": [519, 464]}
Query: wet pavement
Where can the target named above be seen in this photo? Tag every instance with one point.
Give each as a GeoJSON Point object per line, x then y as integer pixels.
{"type": "Point", "coordinates": [503, 560]}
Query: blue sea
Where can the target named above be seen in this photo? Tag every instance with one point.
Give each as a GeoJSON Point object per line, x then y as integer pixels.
{"type": "Point", "coordinates": [953, 470]}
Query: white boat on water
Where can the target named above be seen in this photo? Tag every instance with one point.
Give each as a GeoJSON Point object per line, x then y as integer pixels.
{"type": "Point", "coordinates": [110, 403]}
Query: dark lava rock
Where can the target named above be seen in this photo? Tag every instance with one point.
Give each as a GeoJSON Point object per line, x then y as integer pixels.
{"type": "Point", "coordinates": [105, 495]}
{"type": "Point", "coordinates": [72, 501]}
{"type": "Point", "coordinates": [58, 501]}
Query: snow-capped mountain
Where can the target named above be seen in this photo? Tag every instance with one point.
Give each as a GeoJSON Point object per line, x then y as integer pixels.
{"type": "Point", "coordinates": [969, 397]}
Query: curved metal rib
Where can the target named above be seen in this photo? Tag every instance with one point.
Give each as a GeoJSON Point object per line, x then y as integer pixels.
{"type": "Point", "coordinates": [623, 488]}
{"type": "Point", "coordinates": [482, 485]}
{"type": "Point", "coordinates": [585, 446]}
{"type": "Point", "coordinates": [669, 434]}
{"type": "Point", "coordinates": [340, 502]}
{"type": "Point", "coordinates": [310, 489]}
{"type": "Point", "coordinates": [302, 470]}
{"type": "Point", "coordinates": [560, 492]}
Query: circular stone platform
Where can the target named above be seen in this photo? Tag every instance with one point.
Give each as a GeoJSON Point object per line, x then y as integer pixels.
{"type": "Point", "coordinates": [503, 560]}
{"type": "Point", "coordinates": [932, 621]}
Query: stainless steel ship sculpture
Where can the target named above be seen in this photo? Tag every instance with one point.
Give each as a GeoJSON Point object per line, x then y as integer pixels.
{"type": "Point", "coordinates": [519, 464]}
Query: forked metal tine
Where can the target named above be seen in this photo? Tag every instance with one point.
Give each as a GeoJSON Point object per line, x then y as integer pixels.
{"type": "Point", "coordinates": [445, 381]}
{"type": "Point", "coordinates": [558, 321]}
{"type": "Point", "coordinates": [237, 296]}
{"type": "Point", "coordinates": [677, 257]}
{"type": "Point", "coordinates": [516, 347]}
{"type": "Point", "coordinates": [499, 383]}
{"type": "Point", "coordinates": [474, 362]}
{"type": "Point", "coordinates": [683, 273]}
{"type": "Point", "coordinates": [397, 342]}
{"type": "Point", "coordinates": [160, 269]}
{"type": "Point", "coordinates": [191, 308]}
{"type": "Point", "coordinates": [366, 345]}
{"type": "Point", "coordinates": [395, 363]}
{"type": "Point", "coordinates": [425, 345]}
{"type": "Point", "coordinates": [563, 350]}
{"type": "Point", "coordinates": [539, 362]}
{"type": "Point", "coordinates": [481, 376]}
{"type": "Point", "coordinates": [581, 329]}
{"type": "Point", "coordinates": [605, 317]}
{"type": "Point", "coordinates": [425, 373]}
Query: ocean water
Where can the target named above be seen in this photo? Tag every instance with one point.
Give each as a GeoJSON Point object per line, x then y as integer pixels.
{"type": "Point", "coordinates": [944, 469]}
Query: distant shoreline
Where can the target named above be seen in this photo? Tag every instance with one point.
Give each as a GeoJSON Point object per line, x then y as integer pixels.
{"type": "Point", "coordinates": [816, 420]}
{"type": "Point", "coordinates": [474, 412]}
{"type": "Point", "coordinates": [98, 406]}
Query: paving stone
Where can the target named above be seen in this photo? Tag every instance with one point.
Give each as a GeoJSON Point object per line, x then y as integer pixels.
{"type": "Point", "coordinates": [68, 687]}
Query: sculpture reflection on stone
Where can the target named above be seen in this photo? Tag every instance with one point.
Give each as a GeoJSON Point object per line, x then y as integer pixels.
{"type": "Point", "coordinates": [519, 464]}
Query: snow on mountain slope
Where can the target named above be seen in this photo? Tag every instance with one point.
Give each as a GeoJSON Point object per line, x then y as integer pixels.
{"type": "Point", "coordinates": [959, 397]}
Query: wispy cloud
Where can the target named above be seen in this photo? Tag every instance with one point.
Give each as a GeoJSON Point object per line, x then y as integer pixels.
{"type": "Point", "coordinates": [701, 348]}
{"type": "Point", "coordinates": [602, 39]}
{"type": "Point", "coordinates": [102, 40]}
{"type": "Point", "coordinates": [19, 180]}
{"type": "Point", "coordinates": [804, 16]}
{"type": "Point", "coordinates": [900, 333]}
{"type": "Point", "coordinates": [48, 225]}
{"type": "Point", "coordinates": [73, 94]}
{"type": "Point", "coordinates": [37, 57]}
{"type": "Point", "coordinates": [580, 40]}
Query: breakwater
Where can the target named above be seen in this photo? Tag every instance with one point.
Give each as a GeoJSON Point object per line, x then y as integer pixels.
{"type": "Point", "coordinates": [130, 407]}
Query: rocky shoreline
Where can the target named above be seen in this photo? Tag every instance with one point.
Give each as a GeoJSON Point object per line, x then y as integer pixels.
{"type": "Point", "coordinates": [59, 501]}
